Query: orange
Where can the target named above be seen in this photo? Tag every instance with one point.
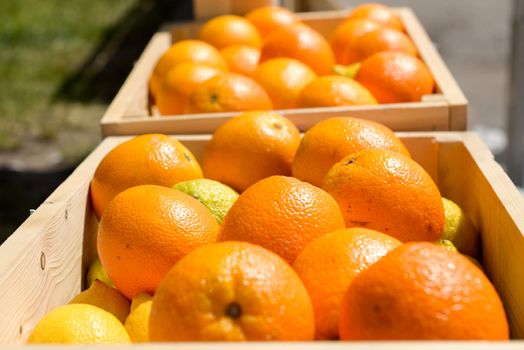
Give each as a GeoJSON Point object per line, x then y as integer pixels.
{"type": "Point", "coordinates": [378, 13]}
{"type": "Point", "coordinates": [330, 140]}
{"type": "Point", "coordinates": [231, 291]}
{"type": "Point", "coordinates": [283, 79]}
{"type": "Point", "coordinates": [241, 59]}
{"type": "Point", "coordinates": [302, 43]}
{"type": "Point", "coordinates": [228, 92]}
{"type": "Point", "coordinates": [179, 83]}
{"type": "Point", "coordinates": [147, 159]}
{"type": "Point", "coordinates": [145, 230]}
{"type": "Point", "coordinates": [388, 192]}
{"type": "Point", "coordinates": [346, 34]}
{"type": "Point", "coordinates": [422, 291]}
{"type": "Point", "coordinates": [378, 40]}
{"type": "Point", "coordinates": [227, 30]}
{"type": "Point", "coordinates": [269, 18]}
{"type": "Point", "coordinates": [334, 90]}
{"type": "Point", "coordinates": [394, 77]}
{"type": "Point", "coordinates": [184, 51]}
{"type": "Point", "coordinates": [328, 265]}
{"type": "Point", "coordinates": [281, 214]}
{"type": "Point", "coordinates": [251, 147]}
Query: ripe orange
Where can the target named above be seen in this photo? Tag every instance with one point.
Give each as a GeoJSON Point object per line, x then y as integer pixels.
{"type": "Point", "coordinates": [184, 51]}
{"type": "Point", "coordinates": [328, 265]}
{"type": "Point", "coordinates": [227, 30]}
{"type": "Point", "coordinates": [269, 18]}
{"type": "Point", "coordinates": [145, 230]}
{"type": "Point", "coordinates": [302, 43]}
{"type": "Point", "coordinates": [231, 291]}
{"type": "Point", "coordinates": [283, 79]}
{"type": "Point", "coordinates": [388, 192]}
{"type": "Point", "coordinates": [330, 140]}
{"type": "Point", "coordinates": [179, 83]}
{"type": "Point", "coordinates": [422, 291]}
{"type": "Point", "coordinates": [344, 36]}
{"type": "Point", "coordinates": [378, 13]}
{"type": "Point", "coordinates": [282, 214]}
{"type": "Point", "coordinates": [394, 77]}
{"type": "Point", "coordinates": [241, 59]}
{"type": "Point", "coordinates": [334, 90]}
{"type": "Point", "coordinates": [228, 92]}
{"type": "Point", "coordinates": [250, 147]}
{"type": "Point", "coordinates": [378, 40]}
{"type": "Point", "coordinates": [147, 159]}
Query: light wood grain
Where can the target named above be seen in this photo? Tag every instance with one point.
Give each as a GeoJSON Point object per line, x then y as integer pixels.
{"type": "Point", "coordinates": [130, 112]}
{"type": "Point", "coordinates": [460, 163]}
{"type": "Point", "coordinates": [496, 207]}
{"type": "Point", "coordinates": [41, 263]}
{"type": "Point", "coordinates": [429, 116]}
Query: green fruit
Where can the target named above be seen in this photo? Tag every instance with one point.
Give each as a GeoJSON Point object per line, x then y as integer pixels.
{"type": "Point", "coordinates": [448, 245]}
{"type": "Point", "coordinates": [459, 229]}
{"type": "Point", "coordinates": [96, 272]}
{"type": "Point", "coordinates": [349, 71]}
{"type": "Point", "coordinates": [217, 197]}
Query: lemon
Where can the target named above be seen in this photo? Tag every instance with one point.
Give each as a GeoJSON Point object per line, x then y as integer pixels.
{"type": "Point", "coordinates": [448, 245]}
{"type": "Point", "coordinates": [349, 71]}
{"type": "Point", "coordinates": [459, 229]}
{"type": "Point", "coordinates": [104, 297]}
{"type": "Point", "coordinates": [79, 324]}
{"type": "Point", "coordinates": [97, 272]}
{"type": "Point", "coordinates": [137, 323]}
{"type": "Point", "coordinates": [217, 197]}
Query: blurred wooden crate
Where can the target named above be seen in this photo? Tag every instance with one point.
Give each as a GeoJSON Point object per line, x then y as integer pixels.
{"type": "Point", "coordinates": [43, 262]}
{"type": "Point", "coordinates": [132, 113]}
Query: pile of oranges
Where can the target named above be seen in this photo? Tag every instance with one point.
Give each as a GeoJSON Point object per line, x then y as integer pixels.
{"type": "Point", "coordinates": [333, 236]}
{"type": "Point", "coordinates": [336, 234]}
{"type": "Point", "coordinates": [270, 59]}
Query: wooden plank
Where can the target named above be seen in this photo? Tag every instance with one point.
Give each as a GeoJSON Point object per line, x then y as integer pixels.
{"type": "Point", "coordinates": [401, 116]}
{"type": "Point", "coordinates": [41, 264]}
{"type": "Point", "coordinates": [496, 207]}
{"type": "Point", "coordinates": [447, 85]}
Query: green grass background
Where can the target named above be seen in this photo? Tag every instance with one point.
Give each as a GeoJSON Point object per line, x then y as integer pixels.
{"type": "Point", "coordinates": [42, 42]}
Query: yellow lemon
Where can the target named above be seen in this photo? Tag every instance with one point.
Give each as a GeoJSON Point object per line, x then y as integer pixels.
{"type": "Point", "coordinates": [216, 196]}
{"type": "Point", "coordinates": [106, 298]}
{"type": "Point", "coordinates": [97, 272]}
{"type": "Point", "coordinates": [79, 324]}
{"type": "Point", "coordinates": [459, 229]}
{"type": "Point", "coordinates": [349, 71]}
{"type": "Point", "coordinates": [448, 245]}
{"type": "Point", "coordinates": [137, 323]}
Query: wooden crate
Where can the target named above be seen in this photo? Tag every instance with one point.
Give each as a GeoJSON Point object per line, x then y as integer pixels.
{"type": "Point", "coordinates": [42, 263]}
{"type": "Point", "coordinates": [131, 113]}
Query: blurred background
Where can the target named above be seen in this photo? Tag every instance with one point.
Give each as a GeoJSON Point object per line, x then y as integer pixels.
{"type": "Point", "coordinates": [62, 62]}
